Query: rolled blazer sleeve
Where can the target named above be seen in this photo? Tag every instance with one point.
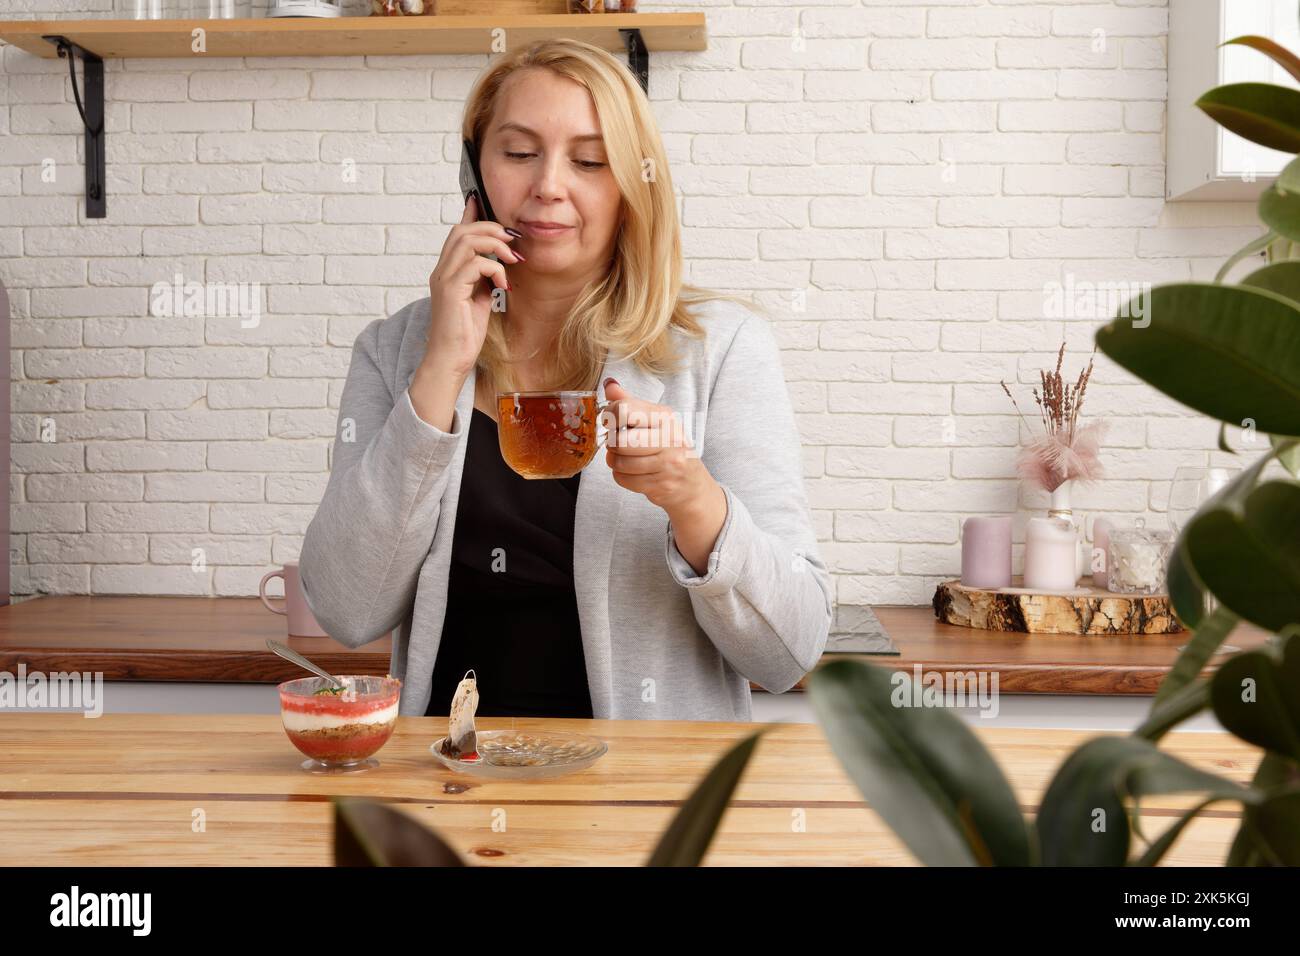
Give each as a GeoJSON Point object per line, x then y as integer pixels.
{"type": "Point", "coordinates": [765, 598]}
{"type": "Point", "coordinates": [363, 550]}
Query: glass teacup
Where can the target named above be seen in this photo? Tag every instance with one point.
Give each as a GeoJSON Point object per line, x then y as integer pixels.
{"type": "Point", "coordinates": [550, 434]}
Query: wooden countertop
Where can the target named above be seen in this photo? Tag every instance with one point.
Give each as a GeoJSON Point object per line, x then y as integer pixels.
{"type": "Point", "coordinates": [168, 639]}
{"type": "Point", "coordinates": [1041, 663]}
{"type": "Point", "coordinates": [224, 640]}
{"type": "Point", "coordinates": [121, 789]}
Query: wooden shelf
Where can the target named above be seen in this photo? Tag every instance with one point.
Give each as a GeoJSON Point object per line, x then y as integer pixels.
{"type": "Point", "coordinates": [351, 36]}
{"type": "Point", "coordinates": [93, 41]}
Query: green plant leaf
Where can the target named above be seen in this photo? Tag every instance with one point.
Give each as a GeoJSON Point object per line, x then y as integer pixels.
{"type": "Point", "coordinates": [1205, 640]}
{"type": "Point", "coordinates": [1231, 352]}
{"type": "Point", "coordinates": [1177, 706]}
{"type": "Point", "coordinates": [368, 833]}
{"type": "Point", "coordinates": [1288, 180]}
{"type": "Point", "coordinates": [1082, 821]}
{"type": "Point", "coordinates": [1274, 774]}
{"type": "Point", "coordinates": [1247, 553]}
{"type": "Point", "coordinates": [920, 767]}
{"type": "Point", "coordinates": [1249, 249]}
{"type": "Point", "coordinates": [687, 838]}
{"type": "Point", "coordinates": [1276, 820]}
{"type": "Point", "coordinates": [1288, 453]}
{"type": "Point", "coordinates": [1274, 51]}
{"type": "Point", "coordinates": [1186, 590]}
{"type": "Point", "coordinates": [1281, 278]}
{"type": "Point", "coordinates": [1256, 695]}
{"type": "Point", "coordinates": [1263, 113]}
{"type": "Point", "coordinates": [1156, 851]}
{"type": "Point", "coordinates": [1280, 211]}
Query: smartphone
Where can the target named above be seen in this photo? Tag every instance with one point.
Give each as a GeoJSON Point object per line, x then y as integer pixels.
{"type": "Point", "coordinates": [471, 184]}
{"type": "Point", "coordinates": [471, 181]}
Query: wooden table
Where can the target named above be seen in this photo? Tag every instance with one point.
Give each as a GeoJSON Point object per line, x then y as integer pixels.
{"type": "Point", "coordinates": [123, 789]}
{"type": "Point", "coordinates": [224, 639]}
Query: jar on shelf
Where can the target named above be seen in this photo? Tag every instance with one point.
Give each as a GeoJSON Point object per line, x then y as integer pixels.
{"type": "Point", "coordinates": [221, 9]}
{"type": "Point", "coordinates": [162, 9]}
{"type": "Point", "coordinates": [1137, 559]}
{"type": "Point", "coordinates": [303, 8]}
{"type": "Point", "coordinates": [401, 8]}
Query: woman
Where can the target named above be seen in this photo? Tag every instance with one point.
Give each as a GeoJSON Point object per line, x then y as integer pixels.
{"type": "Point", "coordinates": [678, 565]}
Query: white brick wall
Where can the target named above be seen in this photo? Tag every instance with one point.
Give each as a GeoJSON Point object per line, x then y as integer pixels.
{"type": "Point", "coordinates": [919, 171]}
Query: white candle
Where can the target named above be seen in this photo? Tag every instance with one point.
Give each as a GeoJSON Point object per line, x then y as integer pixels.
{"type": "Point", "coordinates": [1051, 554]}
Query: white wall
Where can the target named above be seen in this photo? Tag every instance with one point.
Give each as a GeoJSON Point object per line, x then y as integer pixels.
{"type": "Point", "coordinates": [920, 172]}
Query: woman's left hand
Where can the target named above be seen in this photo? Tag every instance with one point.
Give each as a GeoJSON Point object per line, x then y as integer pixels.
{"type": "Point", "coordinates": [653, 456]}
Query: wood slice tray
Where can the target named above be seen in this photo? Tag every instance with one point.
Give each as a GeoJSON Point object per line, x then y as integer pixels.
{"type": "Point", "coordinates": [1086, 610]}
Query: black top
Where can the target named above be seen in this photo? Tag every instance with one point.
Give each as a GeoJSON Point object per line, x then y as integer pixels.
{"type": "Point", "coordinates": [512, 614]}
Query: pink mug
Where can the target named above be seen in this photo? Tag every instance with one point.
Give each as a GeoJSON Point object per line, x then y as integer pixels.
{"type": "Point", "coordinates": [301, 621]}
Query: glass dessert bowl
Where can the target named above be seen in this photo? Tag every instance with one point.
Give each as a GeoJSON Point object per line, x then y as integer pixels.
{"type": "Point", "coordinates": [338, 730]}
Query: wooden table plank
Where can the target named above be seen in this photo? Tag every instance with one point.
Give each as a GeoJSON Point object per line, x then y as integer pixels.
{"type": "Point", "coordinates": [122, 788]}
{"type": "Point", "coordinates": [93, 833]}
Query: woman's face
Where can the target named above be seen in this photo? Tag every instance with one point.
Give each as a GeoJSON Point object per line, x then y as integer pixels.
{"type": "Point", "coordinates": [543, 161]}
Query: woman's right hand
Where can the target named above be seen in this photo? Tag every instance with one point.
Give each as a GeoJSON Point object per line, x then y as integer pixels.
{"type": "Point", "coordinates": [460, 301]}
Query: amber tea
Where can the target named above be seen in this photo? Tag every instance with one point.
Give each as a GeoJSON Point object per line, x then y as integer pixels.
{"type": "Point", "coordinates": [549, 434]}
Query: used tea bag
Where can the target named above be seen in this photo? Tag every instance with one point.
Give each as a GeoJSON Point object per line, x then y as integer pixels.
{"type": "Point", "coordinates": [461, 740]}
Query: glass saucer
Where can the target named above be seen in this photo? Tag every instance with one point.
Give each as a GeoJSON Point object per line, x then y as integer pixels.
{"type": "Point", "coordinates": [525, 755]}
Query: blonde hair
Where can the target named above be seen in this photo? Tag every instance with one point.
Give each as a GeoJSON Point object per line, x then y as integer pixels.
{"type": "Point", "coordinates": [632, 309]}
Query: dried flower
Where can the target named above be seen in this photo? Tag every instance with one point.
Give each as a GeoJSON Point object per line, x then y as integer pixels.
{"type": "Point", "coordinates": [1064, 451]}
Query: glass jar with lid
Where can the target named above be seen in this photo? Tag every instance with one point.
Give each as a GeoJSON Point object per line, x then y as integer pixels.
{"type": "Point", "coordinates": [1137, 559]}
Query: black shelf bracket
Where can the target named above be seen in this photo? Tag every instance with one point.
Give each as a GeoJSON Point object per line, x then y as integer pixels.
{"type": "Point", "coordinates": [92, 117]}
{"type": "Point", "coordinates": [638, 57]}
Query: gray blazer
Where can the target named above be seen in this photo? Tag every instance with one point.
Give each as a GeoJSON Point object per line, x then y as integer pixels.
{"type": "Point", "coordinates": [660, 641]}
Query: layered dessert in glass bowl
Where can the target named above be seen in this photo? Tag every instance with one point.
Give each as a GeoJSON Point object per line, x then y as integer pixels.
{"type": "Point", "coordinates": [339, 728]}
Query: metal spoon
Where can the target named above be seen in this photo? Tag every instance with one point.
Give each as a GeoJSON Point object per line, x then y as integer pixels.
{"type": "Point", "coordinates": [289, 654]}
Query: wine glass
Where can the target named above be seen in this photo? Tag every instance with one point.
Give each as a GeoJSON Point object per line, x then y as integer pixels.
{"type": "Point", "coordinates": [1193, 485]}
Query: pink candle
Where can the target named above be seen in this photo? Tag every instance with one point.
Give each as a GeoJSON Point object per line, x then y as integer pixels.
{"type": "Point", "coordinates": [1101, 529]}
{"type": "Point", "coordinates": [1051, 554]}
{"type": "Point", "coordinates": [986, 552]}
